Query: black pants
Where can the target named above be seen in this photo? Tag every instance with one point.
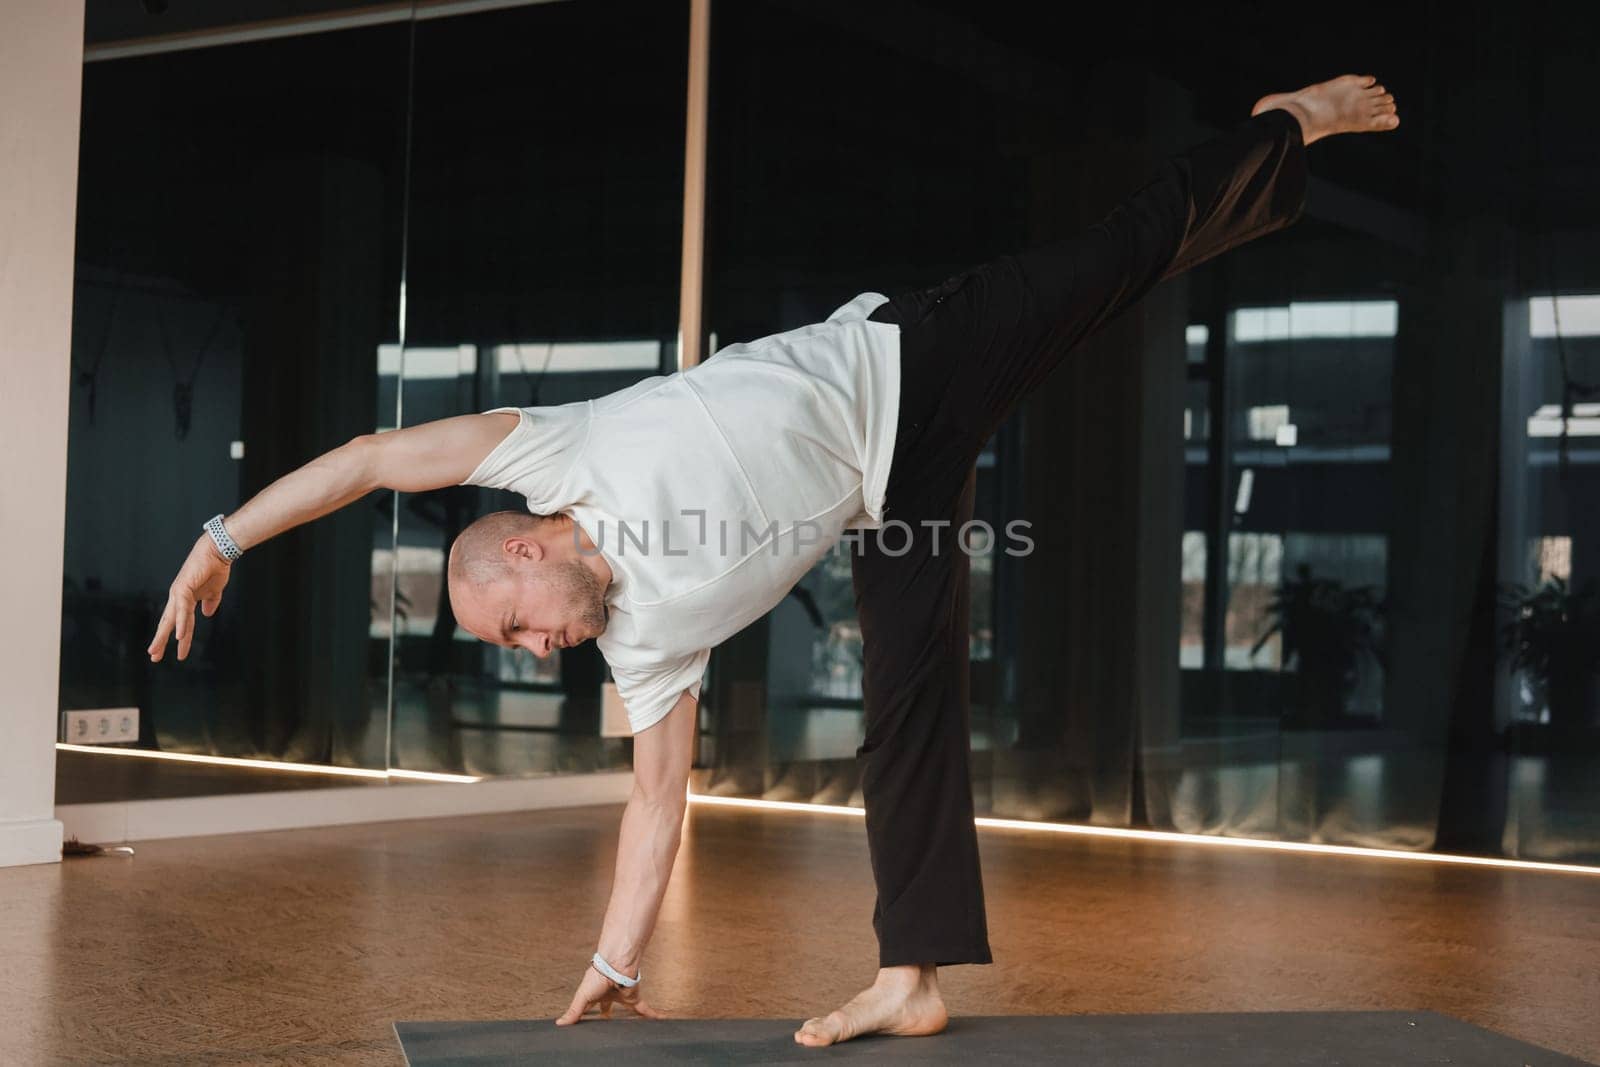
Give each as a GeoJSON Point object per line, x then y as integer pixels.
{"type": "Point", "coordinates": [970, 350]}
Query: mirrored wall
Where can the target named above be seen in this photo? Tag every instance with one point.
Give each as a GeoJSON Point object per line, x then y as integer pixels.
{"type": "Point", "coordinates": [299, 226]}
{"type": "Point", "coordinates": [545, 229]}
{"type": "Point", "coordinates": [240, 248]}
{"type": "Point", "coordinates": [1312, 530]}
{"type": "Point", "coordinates": [1305, 524]}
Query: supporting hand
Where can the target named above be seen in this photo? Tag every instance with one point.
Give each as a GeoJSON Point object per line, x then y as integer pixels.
{"type": "Point", "coordinates": [596, 990]}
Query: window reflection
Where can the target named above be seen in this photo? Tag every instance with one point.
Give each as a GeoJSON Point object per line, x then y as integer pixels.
{"type": "Point", "coordinates": [1304, 509]}
{"type": "Point", "coordinates": [545, 239]}
{"type": "Point", "coordinates": [1575, 315]}
{"type": "Point", "coordinates": [214, 350]}
{"type": "Point", "coordinates": [1322, 318]}
{"type": "Point", "coordinates": [1546, 600]}
{"type": "Point", "coordinates": [815, 647]}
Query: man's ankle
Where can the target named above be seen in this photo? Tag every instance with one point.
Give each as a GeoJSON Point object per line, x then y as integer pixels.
{"type": "Point", "coordinates": [906, 977]}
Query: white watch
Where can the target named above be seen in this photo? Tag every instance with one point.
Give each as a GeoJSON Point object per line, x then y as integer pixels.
{"type": "Point", "coordinates": [226, 546]}
{"type": "Point", "coordinates": [612, 973]}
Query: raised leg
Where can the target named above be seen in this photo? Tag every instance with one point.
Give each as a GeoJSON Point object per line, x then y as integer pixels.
{"type": "Point", "coordinates": [973, 347]}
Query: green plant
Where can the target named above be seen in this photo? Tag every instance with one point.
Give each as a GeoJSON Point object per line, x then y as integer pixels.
{"type": "Point", "coordinates": [1554, 635]}
{"type": "Point", "coordinates": [1327, 630]}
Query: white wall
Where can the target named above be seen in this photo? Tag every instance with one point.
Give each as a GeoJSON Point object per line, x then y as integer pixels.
{"type": "Point", "coordinates": [41, 79]}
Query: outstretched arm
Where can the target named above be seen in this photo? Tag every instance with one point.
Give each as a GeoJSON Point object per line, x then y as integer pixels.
{"type": "Point", "coordinates": [413, 460]}
{"type": "Point", "coordinates": [652, 827]}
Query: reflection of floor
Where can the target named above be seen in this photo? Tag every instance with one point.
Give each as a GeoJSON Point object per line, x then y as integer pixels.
{"type": "Point", "coordinates": [93, 778]}
{"type": "Point", "coordinates": [1554, 811]}
{"type": "Point", "coordinates": [489, 733]}
{"type": "Point", "coordinates": [305, 946]}
{"type": "Point", "coordinates": [829, 733]}
{"type": "Point", "coordinates": [1369, 788]}
{"type": "Point", "coordinates": [493, 732]}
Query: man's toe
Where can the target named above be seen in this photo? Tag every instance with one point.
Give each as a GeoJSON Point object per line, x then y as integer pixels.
{"type": "Point", "coordinates": [813, 1032]}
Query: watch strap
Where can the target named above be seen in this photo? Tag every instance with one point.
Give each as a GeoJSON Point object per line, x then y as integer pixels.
{"type": "Point", "coordinates": [226, 545]}
{"type": "Point", "coordinates": [612, 973]}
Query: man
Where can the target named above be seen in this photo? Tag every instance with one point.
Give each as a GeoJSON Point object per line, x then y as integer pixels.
{"type": "Point", "coordinates": [666, 517]}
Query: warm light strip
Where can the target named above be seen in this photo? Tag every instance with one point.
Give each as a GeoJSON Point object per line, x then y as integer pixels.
{"type": "Point", "coordinates": [1175, 838]}
{"type": "Point", "coordinates": [435, 776]}
{"type": "Point", "coordinates": [266, 765]}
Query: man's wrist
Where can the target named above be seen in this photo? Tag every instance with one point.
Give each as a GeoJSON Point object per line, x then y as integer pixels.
{"type": "Point", "coordinates": [222, 543]}
{"type": "Point", "coordinates": [216, 553]}
{"type": "Point", "coordinates": [617, 976]}
{"type": "Point", "coordinates": [621, 959]}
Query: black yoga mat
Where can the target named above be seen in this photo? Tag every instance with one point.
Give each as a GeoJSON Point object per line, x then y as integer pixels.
{"type": "Point", "coordinates": [1264, 1039]}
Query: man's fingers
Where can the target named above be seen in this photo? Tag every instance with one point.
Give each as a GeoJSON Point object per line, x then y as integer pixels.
{"type": "Point", "coordinates": [210, 606]}
{"type": "Point", "coordinates": [601, 1001]}
{"type": "Point", "coordinates": [574, 1011]}
{"type": "Point", "coordinates": [158, 647]}
{"type": "Point", "coordinates": [185, 622]}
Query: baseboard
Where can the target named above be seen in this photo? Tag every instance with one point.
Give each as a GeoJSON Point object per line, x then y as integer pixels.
{"type": "Point", "coordinates": [148, 820]}
{"type": "Point", "coordinates": [24, 841]}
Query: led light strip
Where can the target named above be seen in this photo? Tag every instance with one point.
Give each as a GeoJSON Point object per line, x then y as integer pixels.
{"type": "Point", "coordinates": [1171, 837]}
{"type": "Point", "coordinates": [435, 776]}
{"type": "Point", "coordinates": [268, 765]}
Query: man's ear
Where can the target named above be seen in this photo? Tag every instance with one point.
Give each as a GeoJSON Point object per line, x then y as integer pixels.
{"type": "Point", "coordinates": [523, 548]}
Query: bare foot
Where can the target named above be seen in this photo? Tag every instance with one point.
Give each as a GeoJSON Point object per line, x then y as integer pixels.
{"type": "Point", "coordinates": [1351, 103]}
{"type": "Point", "coordinates": [904, 1001]}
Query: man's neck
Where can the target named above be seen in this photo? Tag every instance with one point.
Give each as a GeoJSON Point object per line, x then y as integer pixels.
{"type": "Point", "coordinates": [589, 553]}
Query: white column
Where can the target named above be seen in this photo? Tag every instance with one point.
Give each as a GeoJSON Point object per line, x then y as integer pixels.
{"type": "Point", "coordinates": [41, 79]}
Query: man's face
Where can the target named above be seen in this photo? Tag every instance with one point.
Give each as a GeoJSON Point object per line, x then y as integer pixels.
{"type": "Point", "coordinates": [544, 605]}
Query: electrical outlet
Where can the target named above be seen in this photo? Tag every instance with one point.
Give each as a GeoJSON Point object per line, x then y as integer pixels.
{"type": "Point", "coordinates": [100, 726]}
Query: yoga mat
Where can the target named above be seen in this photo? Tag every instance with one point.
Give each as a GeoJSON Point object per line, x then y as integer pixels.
{"type": "Point", "coordinates": [1261, 1039]}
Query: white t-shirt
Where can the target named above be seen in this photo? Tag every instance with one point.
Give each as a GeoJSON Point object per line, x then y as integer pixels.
{"type": "Point", "coordinates": [712, 491]}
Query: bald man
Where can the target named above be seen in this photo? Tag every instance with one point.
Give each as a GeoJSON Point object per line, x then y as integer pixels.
{"type": "Point", "coordinates": [666, 517]}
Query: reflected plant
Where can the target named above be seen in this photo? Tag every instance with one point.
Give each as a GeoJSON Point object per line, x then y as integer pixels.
{"type": "Point", "coordinates": [1328, 630]}
{"type": "Point", "coordinates": [1554, 635]}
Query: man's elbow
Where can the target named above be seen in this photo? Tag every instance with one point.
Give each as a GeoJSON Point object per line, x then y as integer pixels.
{"type": "Point", "coordinates": [364, 454]}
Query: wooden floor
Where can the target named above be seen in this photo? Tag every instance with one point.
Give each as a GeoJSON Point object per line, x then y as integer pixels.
{"type": "Point", "coordinates": [304, 946]}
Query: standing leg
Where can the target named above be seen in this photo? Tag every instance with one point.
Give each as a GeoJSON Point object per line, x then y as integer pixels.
{"type": "Point", "coordinates": [916, 778]}
{"type": "Point", "coordinates": [912, 598]}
